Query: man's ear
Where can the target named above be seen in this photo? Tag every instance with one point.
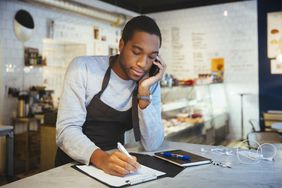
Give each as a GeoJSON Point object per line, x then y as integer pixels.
{"type": "Point", "coordinates": [121, 44]}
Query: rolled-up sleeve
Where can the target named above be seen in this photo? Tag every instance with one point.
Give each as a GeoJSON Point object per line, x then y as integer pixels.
{"type": "Point", "coordinates": [72, 114]}
{"type": "Point", "coordinates": [150, 122]}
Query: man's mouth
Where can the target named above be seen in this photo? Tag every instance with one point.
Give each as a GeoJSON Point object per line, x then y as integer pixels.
{"type": "Point", "coordinates": [138, 72]}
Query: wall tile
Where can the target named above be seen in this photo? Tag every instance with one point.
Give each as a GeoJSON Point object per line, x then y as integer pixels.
{"type": "Point", "coordinates": [233, 37]}
{"type": "Point", "coordinates": [12, 49]}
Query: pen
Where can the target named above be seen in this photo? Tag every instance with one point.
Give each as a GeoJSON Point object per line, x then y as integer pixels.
{"type": "Point", "coordinates": [178, 156]}
{"type": "Point", "coordinates": [123, 150]}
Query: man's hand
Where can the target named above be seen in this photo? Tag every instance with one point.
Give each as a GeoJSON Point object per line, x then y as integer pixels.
{"type": "Point", "coordinates": [116, 163]}
{"type": "Point", "coordinates": [146, 82]}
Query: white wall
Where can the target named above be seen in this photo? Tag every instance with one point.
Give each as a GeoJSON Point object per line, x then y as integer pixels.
{"type": "Point", "coordinates": [12, 70]}
{"type": "Point", "coordinates": [233, 37]}
{"type": "Point", "coordinates": [78, 29]}
{"type": "Point", "coordinates": [191, 37]}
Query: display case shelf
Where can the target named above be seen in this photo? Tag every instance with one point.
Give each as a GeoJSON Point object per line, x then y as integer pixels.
{"type": "Point", "coordinates": [189, 108]}
{"type": "Point", "coordinates": [183, 103]}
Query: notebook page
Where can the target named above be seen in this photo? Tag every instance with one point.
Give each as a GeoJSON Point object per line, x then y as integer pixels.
{"type": "Point", "coordinates": [143, 174]}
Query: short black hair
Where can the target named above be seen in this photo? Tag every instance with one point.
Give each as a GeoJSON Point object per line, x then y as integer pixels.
{"type": "Point", "coordinates": [140, 23]}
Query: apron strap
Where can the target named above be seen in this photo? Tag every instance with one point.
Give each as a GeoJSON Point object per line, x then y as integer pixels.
{"type": "Point", "coordinates": [135, 118]}
{"type": "Point", "coordinates": [106, 76]}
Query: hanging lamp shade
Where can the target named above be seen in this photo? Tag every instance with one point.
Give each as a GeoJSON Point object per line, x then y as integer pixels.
{"type": "Point", "coordinates": [23, 25]}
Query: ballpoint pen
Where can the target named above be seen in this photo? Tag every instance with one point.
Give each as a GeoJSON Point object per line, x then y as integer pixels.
{"type": "Point", "coordinates": [178, 156]}
{"type": "Point", "coordinates": [123, 150]}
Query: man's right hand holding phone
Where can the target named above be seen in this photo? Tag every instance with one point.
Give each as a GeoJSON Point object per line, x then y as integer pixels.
{"type": "Point", "coordinates": [148, 80]}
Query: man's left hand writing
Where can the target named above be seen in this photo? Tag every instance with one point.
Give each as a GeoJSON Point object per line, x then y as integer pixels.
{"type": "Point", "coordinates": [116, 163]}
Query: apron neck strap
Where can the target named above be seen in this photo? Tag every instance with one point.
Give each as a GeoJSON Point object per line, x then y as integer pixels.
{"type": "Point", "coordinates": [107, 75]}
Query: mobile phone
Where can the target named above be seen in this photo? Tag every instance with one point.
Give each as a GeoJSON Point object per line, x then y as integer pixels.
{"type": "Point", "coordinates": [154, 69]}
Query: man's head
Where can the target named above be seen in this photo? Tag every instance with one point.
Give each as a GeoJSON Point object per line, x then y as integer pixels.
{"type": "Point", "coordinates": [140, 23]}
{"type": "Point", "coordinates": [139, 47]}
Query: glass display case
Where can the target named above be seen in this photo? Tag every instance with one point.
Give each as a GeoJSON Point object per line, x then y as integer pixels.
{"type": "Point", "coordinates": [195, 114]}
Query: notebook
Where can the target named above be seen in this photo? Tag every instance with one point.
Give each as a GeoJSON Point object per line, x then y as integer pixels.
{"type": "Point", "coordinates": [188, 159]}
{"type": "Point", "coordinates": [143, 174]}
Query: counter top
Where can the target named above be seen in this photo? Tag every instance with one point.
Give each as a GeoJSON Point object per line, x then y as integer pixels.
{"type": "Point", "coordinates": [262, 174]}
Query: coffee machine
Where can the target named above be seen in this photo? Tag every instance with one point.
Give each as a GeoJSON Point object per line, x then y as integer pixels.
{"type": "Point", "coordinates": [35, 101]}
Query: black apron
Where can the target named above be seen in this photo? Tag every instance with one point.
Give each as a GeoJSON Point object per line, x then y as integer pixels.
{"type": "Point", "coordinates": [104, 125]}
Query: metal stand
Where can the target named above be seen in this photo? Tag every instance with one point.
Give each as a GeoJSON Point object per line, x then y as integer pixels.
{"type": "Point", "coordinates": [242, 113]}
{"type": "Point", "coordinates": [242, 116]}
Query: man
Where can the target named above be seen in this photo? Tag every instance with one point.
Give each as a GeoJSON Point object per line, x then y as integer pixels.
{"type": "Point", "coordinates": [100, 101]}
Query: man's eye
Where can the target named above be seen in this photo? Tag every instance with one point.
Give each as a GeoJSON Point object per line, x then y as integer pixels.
{"type": "Point", "coordinates": [152, 57]}
{"type": "Point", "coordinates": [136, 53]}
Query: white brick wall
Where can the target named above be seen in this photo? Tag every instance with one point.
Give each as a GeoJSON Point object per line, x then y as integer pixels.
{"type": "Point", "coordinates": [11, 53]}
{"type": "Point", "coordinates": [11, 49]}
{"type": "Point", "coordinates": [233, 37]}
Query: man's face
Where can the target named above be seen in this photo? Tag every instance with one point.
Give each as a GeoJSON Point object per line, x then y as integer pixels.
{"type": "Point", "coordinates": [137, 55]}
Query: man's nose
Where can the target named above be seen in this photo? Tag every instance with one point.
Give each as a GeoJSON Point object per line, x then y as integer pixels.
{"type": "Point", "coordinates": [142, 61]}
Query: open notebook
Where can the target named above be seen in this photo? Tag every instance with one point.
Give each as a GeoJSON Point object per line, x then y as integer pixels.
{"type": "Point", "coordinates": [142, 175]}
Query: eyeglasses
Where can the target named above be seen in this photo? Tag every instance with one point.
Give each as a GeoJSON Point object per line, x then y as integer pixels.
{"type": "Point", "coordinates": [264, 151]}
{"type": "Point", "coordinates": [244, 153]}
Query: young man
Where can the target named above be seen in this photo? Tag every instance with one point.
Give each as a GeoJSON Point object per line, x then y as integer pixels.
{"type": "Point", "coordinates": [105, 96]}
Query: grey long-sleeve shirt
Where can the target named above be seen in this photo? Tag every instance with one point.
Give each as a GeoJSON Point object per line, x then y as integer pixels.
{"type": "Point", "coordinates": [83, 80]}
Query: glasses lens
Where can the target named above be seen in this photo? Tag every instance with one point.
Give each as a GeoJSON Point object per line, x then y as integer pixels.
{"type": "Point", "coordinates": [246, 155]}
{"type": "Point", "coordinates": [268, 151]}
